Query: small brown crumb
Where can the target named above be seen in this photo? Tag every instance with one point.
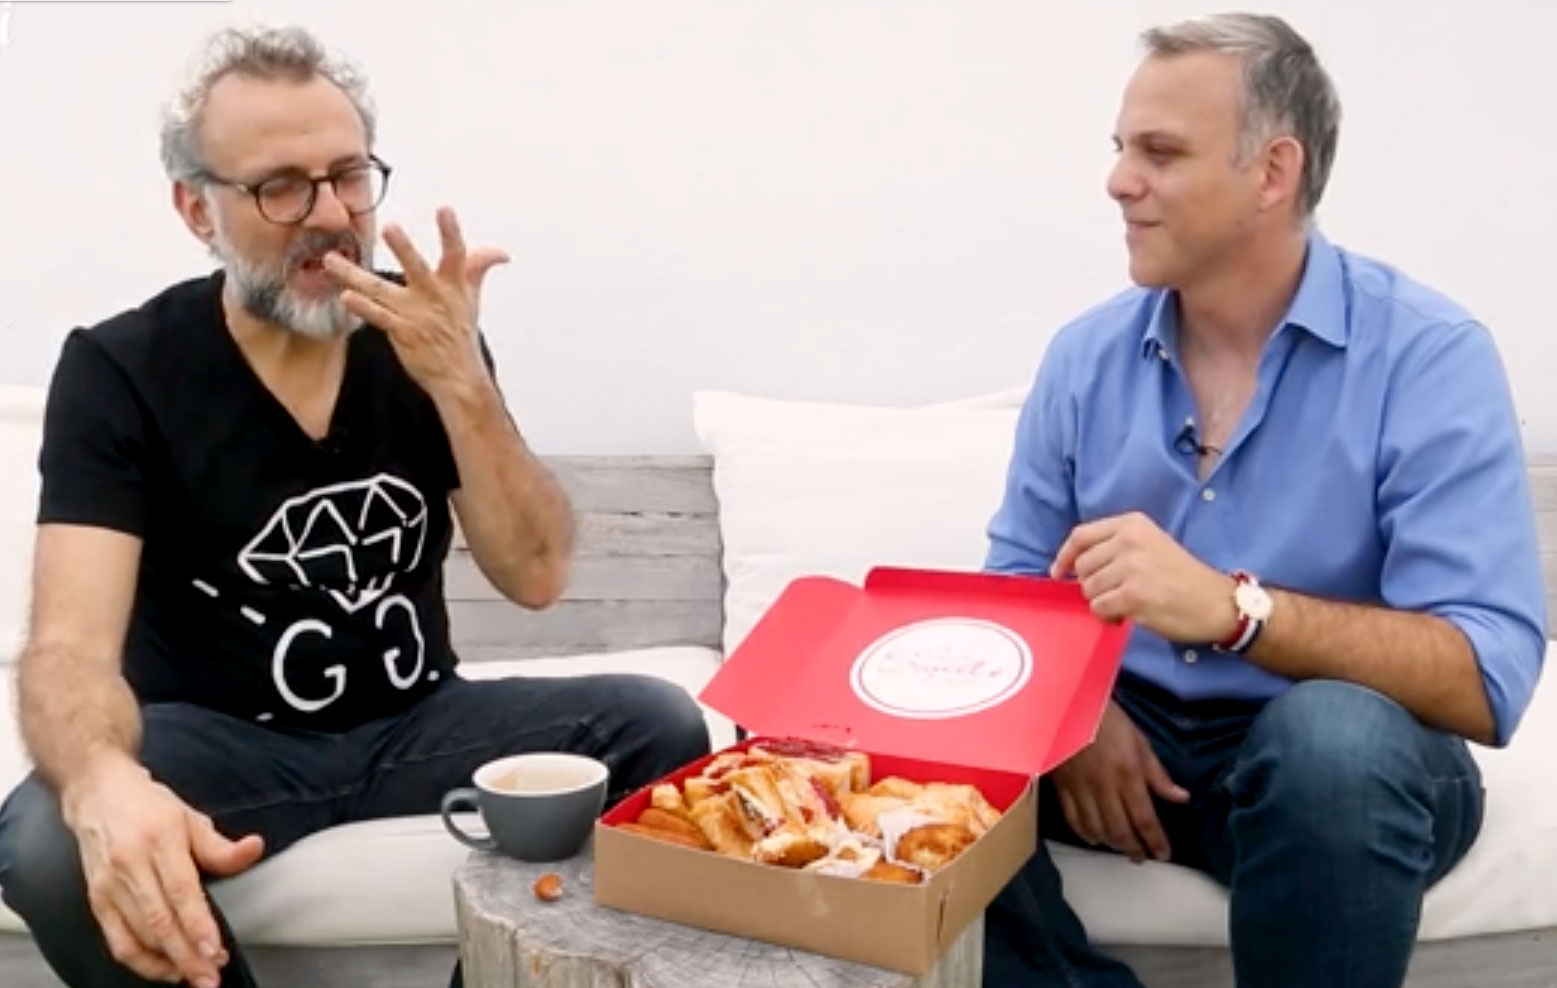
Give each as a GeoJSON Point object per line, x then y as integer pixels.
{"type": "Point", "coordinates": [548, 888]}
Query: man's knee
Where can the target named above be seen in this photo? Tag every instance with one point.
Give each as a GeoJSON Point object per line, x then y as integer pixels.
{"type": "Point", "coordinates": [40, 864]}
{"type": "Point", "coordinates": [664, 713]}
{"type": "Point", "coordinates": [1330, 757]}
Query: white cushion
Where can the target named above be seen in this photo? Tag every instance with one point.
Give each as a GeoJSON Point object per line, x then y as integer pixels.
{"type": "Point", "coordinates": [688, 666]}
{"type": "Point", "coordinates": [383, 881]}
{"type": "Point", "coordinates": [21, 431]}
{"type": "Point", "coordinates": [816, 488]}
{"type": "Point", "coordinates": [806, 487]}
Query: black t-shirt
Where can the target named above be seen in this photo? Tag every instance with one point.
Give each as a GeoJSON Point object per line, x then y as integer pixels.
{"type": "Point", "coordinates": [283, 580]}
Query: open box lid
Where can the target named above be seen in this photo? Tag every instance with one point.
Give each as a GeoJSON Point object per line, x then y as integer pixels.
{"type": "Point", "coordinates": [980, 669]}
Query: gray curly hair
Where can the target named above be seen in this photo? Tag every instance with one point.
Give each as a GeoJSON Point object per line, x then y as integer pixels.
{"type": "Point", "coordinates": [1286, 90]}
{"type": "Point", "coordinates": [265, 53]}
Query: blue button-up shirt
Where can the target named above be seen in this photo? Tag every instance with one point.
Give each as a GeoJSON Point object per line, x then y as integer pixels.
{"type": "Point", "coordinates": [1379, 461]}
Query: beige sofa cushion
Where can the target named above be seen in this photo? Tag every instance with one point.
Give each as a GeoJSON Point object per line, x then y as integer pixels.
{"type": "Point", "coordinates": [384, 881]}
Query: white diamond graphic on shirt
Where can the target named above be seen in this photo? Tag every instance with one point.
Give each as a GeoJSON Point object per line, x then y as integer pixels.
{"type": "Point", "coordinates": [332, 537]}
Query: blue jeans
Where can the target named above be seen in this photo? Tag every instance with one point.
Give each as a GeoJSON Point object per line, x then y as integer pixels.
{"type": "Point", "coordinates": [1326, 812]}
{"type": "Point", "coordinates": [285, 785]}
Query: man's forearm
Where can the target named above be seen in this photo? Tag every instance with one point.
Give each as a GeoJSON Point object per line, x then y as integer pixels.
{"type": "Point", "coordinates": [74, 715]}
{"type": "Point", "coordinates": [1422, 662]}
{"type": "Point", "coordinates": [515, 515]}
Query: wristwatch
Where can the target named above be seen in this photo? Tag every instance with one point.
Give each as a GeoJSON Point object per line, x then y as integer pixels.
{"type": "Point", "coordinates": [1254, 607]}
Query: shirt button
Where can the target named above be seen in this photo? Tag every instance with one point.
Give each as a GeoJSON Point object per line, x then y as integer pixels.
{"type": "Point", "coordinates": [1162, 352]}
{"type": "Point", "coordinates": [1208, 495]}
{"type": "Point", "coordinates": [1191, 656]}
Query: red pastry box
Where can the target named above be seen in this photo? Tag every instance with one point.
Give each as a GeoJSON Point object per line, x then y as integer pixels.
{"type": "Point", "coordinates": [889, 791]}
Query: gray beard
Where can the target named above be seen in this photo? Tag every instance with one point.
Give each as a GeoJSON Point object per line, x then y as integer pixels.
{"type": "Point", "coordinates": [263, 293]}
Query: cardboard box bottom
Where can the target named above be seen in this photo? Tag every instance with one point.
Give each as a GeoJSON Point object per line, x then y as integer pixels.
{"type": "Point", "coordinates": [903, 928]}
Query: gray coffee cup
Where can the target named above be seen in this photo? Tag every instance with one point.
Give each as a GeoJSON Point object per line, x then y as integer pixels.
{"type": "Point", "coordinates": [537, 807]}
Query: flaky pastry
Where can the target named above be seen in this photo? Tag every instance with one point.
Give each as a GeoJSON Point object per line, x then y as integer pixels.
{"type": "Point", "coordinates": [797, 804]}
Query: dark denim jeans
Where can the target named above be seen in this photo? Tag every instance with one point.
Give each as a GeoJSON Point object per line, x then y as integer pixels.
{"type": "Point", "coordinates": [1326, 812]}
{"type": "Point", "coordinates": [285, 785]}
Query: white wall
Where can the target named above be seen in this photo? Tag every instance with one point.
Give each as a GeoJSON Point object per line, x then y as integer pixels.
{"type": "Point", "coordinates": [892, 201]}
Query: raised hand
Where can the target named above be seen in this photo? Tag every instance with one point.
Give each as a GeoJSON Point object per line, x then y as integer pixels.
{"type": "Point", "coordinates": [431, 319]}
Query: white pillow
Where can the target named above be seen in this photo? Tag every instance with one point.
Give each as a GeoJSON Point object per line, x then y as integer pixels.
{"type": "Point", "coordinates": [21, 432]}
{"type": "Point", "coordinates": [1007, 398]}
{"type": "Point", "coordinates": [812, 488]}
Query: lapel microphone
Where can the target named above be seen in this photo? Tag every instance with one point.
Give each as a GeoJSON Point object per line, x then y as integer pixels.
{"type": "Point", "coordinates": [1188, 442]}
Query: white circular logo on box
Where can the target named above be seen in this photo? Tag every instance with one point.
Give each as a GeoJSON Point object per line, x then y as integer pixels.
{"type": "Point", "coordinates": [946, 667]}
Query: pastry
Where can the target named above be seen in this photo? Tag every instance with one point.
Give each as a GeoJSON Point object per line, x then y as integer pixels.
{"type": "Point", "coordinates": [802, 805]}
{"type": "Point", "coordinates": [668, 798]}
{"type": "Point", "coordinates": [668, 836]}
{"type": "Point", "coordinates": [723, 825]}
{"type": "Point", "coordinates": [662, 820]}
{"type": "Point", "coordinates": [932, 846]}
{"type": "Point", "coordinates": [887, 871]}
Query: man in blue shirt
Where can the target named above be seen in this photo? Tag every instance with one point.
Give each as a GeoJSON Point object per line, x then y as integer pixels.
{"type": "Point", "coordinates": [1298, 474]}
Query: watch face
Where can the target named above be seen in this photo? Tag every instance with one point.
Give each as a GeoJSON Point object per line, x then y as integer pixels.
{"type": "Point", "coordinates": [1253, 601]}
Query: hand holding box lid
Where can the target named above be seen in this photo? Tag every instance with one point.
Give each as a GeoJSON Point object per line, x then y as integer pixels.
{"type": "Point", "coordinates": [921, 681]}
{"type": "Point", "coordinates": [998, 671]}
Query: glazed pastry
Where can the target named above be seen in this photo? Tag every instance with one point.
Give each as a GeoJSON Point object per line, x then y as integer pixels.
{"type": "Point", "coordinates": [668, 836]}
{"type": "Point", "coordinates": [667, 797]}
{"type": "Point", "coordinates": [723, 826]}
{"type": "Point", "coordinates": [842, 769]}
{"type": "Point", "coordinates": [791, 846]}
{"type": "Point", "coordinates": [797, 804]}
{"type": "Point", "coordinates": [662, 820]}
{"type": "Point", "coordinates": [699, 788]}
{"type": "Point", "coordinates": [932, 846]}
{"type": "Point", "coordinates": [887, 871]}
{"type": "Point", "coordinates": [863, 810]}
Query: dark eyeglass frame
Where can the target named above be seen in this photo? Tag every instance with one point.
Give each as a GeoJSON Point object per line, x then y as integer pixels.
{"type": "Point", "coordinates": [257, 189]}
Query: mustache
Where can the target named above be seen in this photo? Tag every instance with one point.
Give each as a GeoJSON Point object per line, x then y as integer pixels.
{"type": "Point", "coordinates": [316, 243]}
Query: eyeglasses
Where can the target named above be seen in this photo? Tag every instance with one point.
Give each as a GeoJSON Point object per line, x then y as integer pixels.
{"type": "Point", "coordinates": [289, 197]}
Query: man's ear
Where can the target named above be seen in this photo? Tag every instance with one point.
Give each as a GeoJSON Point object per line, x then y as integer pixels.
{"type": "Point", "coordinates": [1282, 179]}
{"type": "Point", "coordinates": [195, 211]}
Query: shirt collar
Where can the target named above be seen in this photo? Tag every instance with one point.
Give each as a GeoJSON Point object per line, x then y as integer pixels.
{"type": "Point", "coordinates": [1318, 306]}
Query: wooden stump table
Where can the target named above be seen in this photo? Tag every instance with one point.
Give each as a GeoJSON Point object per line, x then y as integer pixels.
{"type": "Point", "coordinates": [511, 939]}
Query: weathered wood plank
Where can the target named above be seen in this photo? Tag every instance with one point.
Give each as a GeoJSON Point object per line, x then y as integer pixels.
{"type": "Point", "coordinates": [646, 534]}
{"type": "Point", "coordinates": [632, 484]}
{"type": "Point", "coordinates": [608, 578]}
{"type": "Point", "coordinates": [511, 940]}
{"type": "Point", "coordinates": [584, 626]}
{"type": "Point", "coordinates": [641, 534]}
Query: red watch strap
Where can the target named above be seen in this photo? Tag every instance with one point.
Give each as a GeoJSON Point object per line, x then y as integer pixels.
{"type": "Point", "coordinates": [1239, 630]}
{"type": "Point", "coordinates": [1242, 627]}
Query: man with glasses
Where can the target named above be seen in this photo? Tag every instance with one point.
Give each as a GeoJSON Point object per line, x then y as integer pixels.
{"type": "Point", "coordinates": [239, 636]}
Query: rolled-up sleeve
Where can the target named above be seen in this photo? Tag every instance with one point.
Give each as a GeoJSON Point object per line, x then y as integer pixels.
{"type": "Point", "coordinates": [1455, 511]}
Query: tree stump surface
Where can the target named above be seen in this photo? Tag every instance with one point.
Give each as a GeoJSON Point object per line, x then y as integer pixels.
{"type": "Point", "coordinates": [511, 939]}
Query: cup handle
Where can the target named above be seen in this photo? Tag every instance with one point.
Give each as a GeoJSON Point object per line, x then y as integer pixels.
{"type": "Point", "coordinates": [464, 798]}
